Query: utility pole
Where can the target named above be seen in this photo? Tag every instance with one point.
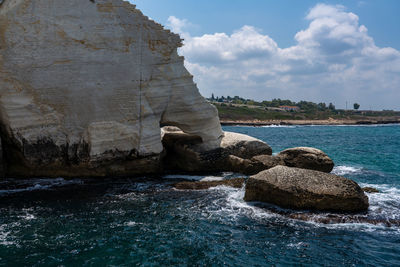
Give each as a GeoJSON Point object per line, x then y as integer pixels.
{"type": "Point", "coordinates": [346, 105]}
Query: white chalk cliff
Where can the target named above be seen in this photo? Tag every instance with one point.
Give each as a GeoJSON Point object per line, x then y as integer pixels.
{"type": "Point", "coordinates": [85, 86]}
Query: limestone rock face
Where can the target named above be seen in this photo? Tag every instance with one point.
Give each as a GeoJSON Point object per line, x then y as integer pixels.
{"type": "Point", "coordinates": [187, 153]}
{"type": "Point", "coordinates": [306, 189]}
{"type": "Point", "coordinates": [1, 161]}
{"type": "Point", "coordinates": [85, 86]}
{"type": "Point", "coordinates": [306, 158]}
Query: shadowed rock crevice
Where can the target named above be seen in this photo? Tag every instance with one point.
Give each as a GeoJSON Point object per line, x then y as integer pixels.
{"type": "Point", "coordinates": [187, 153]}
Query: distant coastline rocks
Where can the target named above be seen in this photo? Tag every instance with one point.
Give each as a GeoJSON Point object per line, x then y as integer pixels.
{"type": "Point", "coordinates": [306, 189]}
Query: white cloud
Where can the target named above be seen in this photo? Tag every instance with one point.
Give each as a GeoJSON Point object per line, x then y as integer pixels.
{"type": "Point", "coordinates": [334, 60]}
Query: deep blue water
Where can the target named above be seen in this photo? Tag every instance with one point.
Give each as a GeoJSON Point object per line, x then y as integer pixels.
{"type": "Point", "coordinates": [146, 222]}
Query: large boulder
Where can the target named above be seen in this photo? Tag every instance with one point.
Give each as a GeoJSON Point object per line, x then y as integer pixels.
{"type": "Point", "coordinates": [244, 146]}
{"type": "Point", "coordinates": [306, 158]}
{"type": "Point", "coordinates": [187, 153]}
{"type": "Point", "coordinates": [85, 85]}
{"type": "Point", "coordinates": [306, 189]}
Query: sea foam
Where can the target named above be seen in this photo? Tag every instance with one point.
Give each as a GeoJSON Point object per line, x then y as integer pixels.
{"type": "Point", "coordinates": [344, 170]}
{"type": "Point", "coordinates": [36, 184]}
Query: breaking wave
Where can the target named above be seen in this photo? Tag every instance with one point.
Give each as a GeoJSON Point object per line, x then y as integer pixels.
{"type": "Point", "coordinates": [344, 170]}
{"type": "Point", "coordinates": [19, 186]}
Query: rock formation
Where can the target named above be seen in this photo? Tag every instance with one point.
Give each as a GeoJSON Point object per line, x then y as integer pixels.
{"type": "Point", "coordinates": [306, 158]}
{"type": "Point", "coordinates": [370, 190]}
{"type": "Point", "coordinates": [85, 86]}
{"type": "Point", "coordinates": [306, 189]}
{"type": "Point", "coordinates": [187, 153]}
{"type": "Point", "coordinates": [299, 157]}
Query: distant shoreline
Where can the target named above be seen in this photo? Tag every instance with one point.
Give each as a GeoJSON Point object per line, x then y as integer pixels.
{"type": "Point", "coordinates": [307, 122]}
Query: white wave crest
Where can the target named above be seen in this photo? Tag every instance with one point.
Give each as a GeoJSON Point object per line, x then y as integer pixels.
{"type": "Point", "coordinates": [386, 203]}
{"type": "Point", "coordinates": [344, 170]}
{"type": "Point", "coordinates": [233, 206]}
{"type": "Point", "coordinates": [39, 184]}
{"type": "Point", "coordinates": [195, 177]}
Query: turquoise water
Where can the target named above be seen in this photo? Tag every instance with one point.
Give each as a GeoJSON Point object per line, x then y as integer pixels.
{"type": "Point", "coordinates": [146, 222]}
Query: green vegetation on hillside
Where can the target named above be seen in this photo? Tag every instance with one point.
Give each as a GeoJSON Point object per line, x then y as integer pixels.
{"type": "Point", "coordinates": [237, 109]}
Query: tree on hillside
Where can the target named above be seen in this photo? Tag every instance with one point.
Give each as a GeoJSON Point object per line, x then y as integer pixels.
{"type": "Point", "coordinates": [212, 97]}
{"type": "Point", "coordinates": [331, 106]}
{"type": "Point", "coordinates": [356, 106]}
{"type": "Point", "coordinates": [322, 106]}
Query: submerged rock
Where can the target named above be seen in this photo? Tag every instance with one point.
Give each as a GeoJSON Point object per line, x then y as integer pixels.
{"type": "Point", "coordinates": [306, 189]}
{"type": "Point", "coordinates": [370, 190]}
{"type": "Point", "coordinates": [236, 183]}
{"type": "Point", "coordinates": [187, 153]}
{"type": "Point", "coordinates": [85, 85]}
{"type": "Point", "coordinates": [307, 158]}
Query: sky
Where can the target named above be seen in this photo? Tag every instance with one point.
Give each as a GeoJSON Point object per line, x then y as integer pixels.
{"type": "Point", "coordinates": [320, 51]}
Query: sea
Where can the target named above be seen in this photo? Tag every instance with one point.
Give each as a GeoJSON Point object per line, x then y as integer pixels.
{"type": "Point", "coordinates": [144, 221]}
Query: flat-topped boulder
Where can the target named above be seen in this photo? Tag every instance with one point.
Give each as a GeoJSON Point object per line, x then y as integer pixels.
{"type": "Point", "coordinates": [306, 189]}
{"type": "Point", "coordinates": [306, 158]}
{"type": "Point", "coordinates": [187, 153]}
{"type": "Point", "coordinates": [85, 86]}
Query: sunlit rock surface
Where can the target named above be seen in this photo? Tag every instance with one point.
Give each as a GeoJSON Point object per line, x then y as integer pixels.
{"type": "Point", "coordinates": [85, 86]}
{"type": "Point", "coordinates": [305, 189]}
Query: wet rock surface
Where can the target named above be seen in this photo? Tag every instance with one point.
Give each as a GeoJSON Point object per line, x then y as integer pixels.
{"type": "Point", "coordinates": [306, 189]}
{"type": "Point", "coordinates": [201, 185]}
{"type": "Point", "coordinates": [370, 190]}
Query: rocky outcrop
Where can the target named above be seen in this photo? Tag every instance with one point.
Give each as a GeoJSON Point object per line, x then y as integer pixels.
{"type": "Point", "coordinates": [370, 190]}
{"type": "Point", "coordinates": [202, 185]}
{"type": "Point", "coordinates": [85, 86]}
{"type": "Point", "coordinates": [187, 153]}
{"type": "Point", "coordinates": [244, 146]}
{"type": "Point", "coordinates": [306, 158]}
{"type": "Point", "coordinates": [306, 189]}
